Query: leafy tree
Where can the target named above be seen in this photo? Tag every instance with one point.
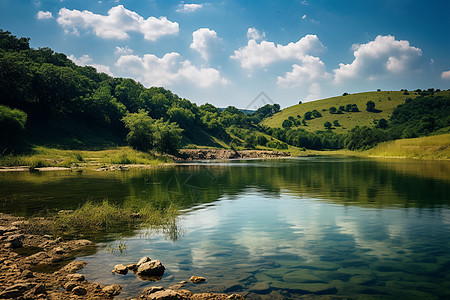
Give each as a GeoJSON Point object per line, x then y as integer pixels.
{"type": "Point", "coordinates": [348, 108]}
{"type": "Point", "coordinates": [261, 140]}
{"type": "Point", "coordinates": [327, 125]}
{"type": "Point", "coordinates": [141, 135]}
{"type": "Point", "coordinates": [382, 123]}
{"type": "Point", "coordinates": [316, 114]}
{"type": "Point", "coordinates": [300, 102]}
{"type": "Point", "coordinates": [307, 115]}
{"type": "Point", "coordinates": [167, 137]}
{"type": "Point", "coordinates": [370, 106]}
{"type": "Point", "coordinates": [333, 110]}
{"type": "Point", "coordinates": [287, 123]}
{"type": "Point", "coordinates": [354, 108]}
{"type": "Point", "coordinates": [12, 121]}
{"type": "Point", "coordinates": [336, 123]}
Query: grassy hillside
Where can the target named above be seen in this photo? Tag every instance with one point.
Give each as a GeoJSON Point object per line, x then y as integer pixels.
{"type": "Point", "coordinates": [385, 102]}
{"type": "Point", "coordinates": [429, 147]}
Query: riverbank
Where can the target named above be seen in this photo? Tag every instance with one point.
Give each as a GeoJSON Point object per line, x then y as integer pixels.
{"type": "Point", "coordinates": [41, 266]}
{"type": "Point", "coordinates": [225, 154]}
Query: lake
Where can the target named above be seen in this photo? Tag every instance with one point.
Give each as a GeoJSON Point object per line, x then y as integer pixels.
{"type": "Point", "coordinates": [270, 229]}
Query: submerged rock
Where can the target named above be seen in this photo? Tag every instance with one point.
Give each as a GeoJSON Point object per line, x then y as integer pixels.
{"type": "Point", "coordinates": [120, 269]}
{"type": "Point", "coordinates": [197, 279]}
{"type": "Point", "coordinates": [153, 268]}
{"type": "Point", "coordinates": [112, 290]}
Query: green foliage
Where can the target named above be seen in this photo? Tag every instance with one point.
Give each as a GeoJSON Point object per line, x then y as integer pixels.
{"type": "Point", "coordinates": [364, 138]}
{"type": "Point", "coordinates": [327, 125]}
{"type": "Point", "coordinates": [370, 106]}
{"type": "Point", "coordinates": [316, 114]}
{"type": "Point", "coordinates": [287, 123]}
{"type": "Point", "coordinates": [12, 121]}
{"type": "Point", "coordinates": [336, 123]}
{"type": "Point", "coordinates": [141, 135]}
{"type": "Point", "coordinates": [333, 110]}
{"type": "Point", "coordinates": [168, 137]}
{"type": "Point", "coordinates": [307, 115]}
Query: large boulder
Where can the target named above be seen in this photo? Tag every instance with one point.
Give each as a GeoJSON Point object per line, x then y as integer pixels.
{"type": "Point", "coordinates": [120, 269]}
{"type": "Point", "coordinates": [152, 268]}
{"type": "Point", "coordinates": [112, 290]}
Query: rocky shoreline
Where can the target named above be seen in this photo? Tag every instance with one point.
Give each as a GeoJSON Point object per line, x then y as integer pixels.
{"type": "Point", "coordinates": [225, 154]}
{"type": "Point", "coordinates": [35, 266]}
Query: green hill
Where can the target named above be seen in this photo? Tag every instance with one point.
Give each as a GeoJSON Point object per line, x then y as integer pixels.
{"type": "Point", "coordinates": [385, 103]}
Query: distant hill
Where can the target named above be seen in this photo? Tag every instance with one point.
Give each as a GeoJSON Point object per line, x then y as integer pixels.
{"type": "Point", "coordinates": [385, 103]}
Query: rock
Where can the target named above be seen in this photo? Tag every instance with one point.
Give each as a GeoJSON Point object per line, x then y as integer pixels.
{"type": "Point", "coordinates": [10, 294]}
{"type": "Point", "coordinates": [112, 290]}
{"type": "Point", "coordinates": [27, 274]}
{"type": "Point", "coordinates": [235, 297]}
{"type": "Point", "coordinates": [69, 286]}
{"type": "Point", "coordinates": [197, 279]}
{"type": "Point", "coordinates": [168, 295]}
{"type": "Point", "coordinates": [120, 269]}
{"type": "Point", "coordinates": [143, 260]}
{"type": "Point", "coordinates": [153, 289]}
{"type": "Point", "coordinates": [81, 243]}
{"type": "Point", "coordinates": [14, 241]}
{"type": "Point", "coordinates": [182, 282]}
{"type": "Point", "coordinates": [132, 267]}
{"type": "Point", "coordinates": [75, 277]}
{"type": "Point", "coordinates": [79, 290]}
{"type": "Point", "coordinates": [40, 289]}
{"type": "Point", "coordinates": [150, 268]}
{"type": "Point", "coordinates": [59, 250]}
{"type": "Point", "coordinates": [73, 266]}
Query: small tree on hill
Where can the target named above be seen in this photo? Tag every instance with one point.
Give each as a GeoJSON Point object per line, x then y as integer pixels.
{"type": "Point", "coordinates": [327, 125]}
{"type": "Point", "coordinates": [333, 110]}
{"type": "Point", "coordinates": [336, 123]}
{"type": "Point", "coordinates": [141, 131]}
{"type": "Point", "coordinates": [370, 106]}
{"type": "Point", "coordinates": [287, 123]}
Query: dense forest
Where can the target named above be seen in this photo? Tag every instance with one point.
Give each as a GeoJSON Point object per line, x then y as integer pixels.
{"type": "Point", "coordinates": [45, 99]}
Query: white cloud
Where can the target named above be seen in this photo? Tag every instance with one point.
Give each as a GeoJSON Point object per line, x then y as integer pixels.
{"type": "Point", "coordinates": [304, 17]}
{"type": "Point", "coordinates": [314, 92]}
{"type": "Point", "coordinates": [265, 53]}
{"type": "Point", "coordinates": [170, 69]}
{"type": "Point", "coordinates": [312, 69]}
{"type": "Point", "coordinates": [85, 60]}
{"type": "Point", "coordinates": [446, 75]}
{"type": "Point", "coordinates": [187, 8]}
{"type": "Point", "coordinates": [123, 50]}
{"type": "Point", "coordinates": [254, 34]}
{"type": "Point", "coordinates": [117, 23]}
{"type": "Point", "coordinates": [44, 15]}
{"type": "Point", "coordinates": [384, 55]}
{"type": "Point", "coordinates": [204, 40]}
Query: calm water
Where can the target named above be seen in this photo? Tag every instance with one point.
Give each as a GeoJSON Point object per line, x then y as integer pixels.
{"type": "Point", "coordinates": [272, 229]}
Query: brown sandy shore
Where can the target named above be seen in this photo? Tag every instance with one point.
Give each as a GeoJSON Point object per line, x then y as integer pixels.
{"type": "Point", "coordinates": [25, 256]}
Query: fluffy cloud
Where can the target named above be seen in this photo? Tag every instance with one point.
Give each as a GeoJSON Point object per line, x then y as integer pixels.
{"type": "Point", "coordinates": [123, 50]}
{"type": "Point", "coordinates": [204, 40]}
{"type": "Point", "coordinates": [384, 55]}
{"type": "Point", "coordinates": [259, 55]}
{"type": "Point", "coordinates": [254, 34]}
{"type": "Point", "coordinates": [312, 69]}
{"type": "Point", "coordinates": [117, 23]}
{"type": "Point", "coordinates": [314, 92]}
{"type": "Point", "coordinates": [85, 60]}
{"type": "Point", "coordinates": [187, 8]}
{"type": "Point", "coordinates": [44, 15]}
{"type": "Point", "coordinates": [170, 69]}
{"type": "Point", "coordinates": [446, 75]}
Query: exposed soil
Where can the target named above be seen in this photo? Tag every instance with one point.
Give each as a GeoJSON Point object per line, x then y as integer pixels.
{"type": "Point", "coordinates": [224, 154]}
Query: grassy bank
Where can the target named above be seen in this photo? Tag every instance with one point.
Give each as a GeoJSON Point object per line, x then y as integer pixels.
{"type": "Point", "coordinates": [430, 147]}
{"type": "Point", "coordinates": [50, 157]}
{"type": "Point", "coordinates": [93, 219]}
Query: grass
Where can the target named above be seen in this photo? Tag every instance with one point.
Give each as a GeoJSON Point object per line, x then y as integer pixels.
{"type": "Point", "coordinates": [93, 218]}
{"type": "Point", "coordinates": [385, 101]}
{"type": "Point", "coordinates": [50, 157]}
{"type": "Point", "coordinates": [430, 147]}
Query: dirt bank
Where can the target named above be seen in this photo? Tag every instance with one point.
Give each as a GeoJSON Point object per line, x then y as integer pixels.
{"type": "Point", "coordinates": [206, 154]}
{"type": "Point", "coordinates": [38, 266]}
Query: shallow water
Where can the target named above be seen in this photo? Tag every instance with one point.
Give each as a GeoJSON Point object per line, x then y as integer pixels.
{"type": "Point", "coordinates": [266, 229]}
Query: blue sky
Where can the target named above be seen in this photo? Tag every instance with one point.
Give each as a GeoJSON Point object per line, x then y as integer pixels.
{"type": "Point", "coordinates": [227, 52]}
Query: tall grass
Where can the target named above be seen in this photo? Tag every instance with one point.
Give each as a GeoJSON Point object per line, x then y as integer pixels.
{"type": "Point", "coordinates": [430, 147]}
{"type": "Point", "coordinates": [103, 217]}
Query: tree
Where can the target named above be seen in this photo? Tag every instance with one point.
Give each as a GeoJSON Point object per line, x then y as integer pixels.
{"type": "Point", "coordinates": [141, 130]}
{"type": "Point", "coordinates": [167, 137]}
{"type": "Point", "coordinates": [300, 102]}
{"type": "Point", "coordinates": [382, 123]}
{"type": "Point", "coordinates": [333, 110]}
{"type": "Point", "coordinates": [336, 123]}
{"type": "Point", "coordinates": [316, 114]}
{"type": "Point", "coordinates": [327, 125]}
{"type": "Point", "coordinates": [287, 123]}
{"type": "Point", "coordinates": [370, 106]}
{"type": "Point", "coordinates": [307, 115]}
{"type": "Point", "coordinates": [12, 121]}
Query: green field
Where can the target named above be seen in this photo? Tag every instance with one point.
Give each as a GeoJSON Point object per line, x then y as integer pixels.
{"type": "Point", "coordinates": [428, 147]}
{"type": "Point", "coordinates": [385, 101]}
